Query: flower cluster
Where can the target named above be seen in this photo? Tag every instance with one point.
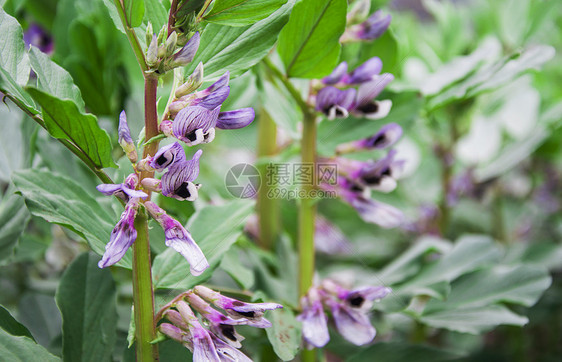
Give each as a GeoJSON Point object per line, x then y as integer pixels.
{"type": "Point", "coordinates": [356, 179]}
{"type": "Point", "coordinates": [216, 339]}
{"type": "Point", "coordinates": [349, 310]}
{"type": "Point", "coordinates": [163, 55]}
{"type": "Point", "coordinates": [338, 98]}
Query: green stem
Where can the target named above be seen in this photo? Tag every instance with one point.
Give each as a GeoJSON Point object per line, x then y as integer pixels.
{"type": "Point", "coordinates": [305, 108]}
{"type": "Point", "coordinates": [66, 143]}
{"type": "Point", "coordinates": [142, 292]}
{"type": "Point", "coordinates": [307, 208]}
{"type": "Point", "coordinates": [267, 207]}
{"type": "Point", "coordinates": [131, 36]}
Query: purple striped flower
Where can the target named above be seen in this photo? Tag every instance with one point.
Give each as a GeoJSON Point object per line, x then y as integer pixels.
{"type": "Point", "coordinates": [366, 71]}
{"type": "Point", "coordinates": [125, 190]}
{"type": "Point", "coordinates": [168, 156]}
{"type": "Point", "coordinates": [372, 28]}
{"type": "Point", "coordinates": [365, 103]}
{"type": "Point", "coordinates": [125, 139]}
{"type": "Point", "coordinates": [179, 239]}
{"type": "Point", "coordinates": [314, 320]}
{"type": "Point", "coordinates": [239, 118]}
{"type": "Point", "coordinates": [387, 136]}
{"type": "Point", "coordinates": [122, 236]}
{"type": "Point", "coordinates": [334, 102]}
{"type": "Point", "coordinates": [177, 182]}
{"type": "Point", "coordinates": [195, 125]}
{"type": "Point", "coordinates": [338, 74]}
{"type": "Point", "coordinates": [186, 54]}
{"type": "Point", "coordinates": [210, 98]}
{"type": "Point", "coordinates": [353, 325]}
{"type": "Point", "coordinates": [203, 348]}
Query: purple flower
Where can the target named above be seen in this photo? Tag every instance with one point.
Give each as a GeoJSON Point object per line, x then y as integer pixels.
{"type": "Point", "coordinates": [334, 102]}
{"type": "Point", "coordinates": [125, 139]}
{"type": "Point", "coordinates": [220, 325]}
{"type": "Point", "coordinates": [329, 239]}
{"type": "Point", "coordinates": [122, 236]}
{"type": "Point", "coordinates": [187, 53]}
{"type": "Point", "coordinates": [375, 212]}
{"type": "Point", "coordinates": [179, 239]}
{"type": "Point", "coordinates": [366, 71]}
{"type": "Point", "coordinates": [360, 298]}
{"type": "Point", "coordinates": [227, 352]}
{"type": "Point", "coordinates": [209, 98]}
{"type": "Point", "coordinates": [168, 156]}
{"type": "Point", "coordinates": [374, 27]}
{"type": "Point", "coordinates": [314, 320]}
{"type": "Point", "coordinates": [177, 181]}
{"type": "Point", "coordinates": [338, 74]}
{"type": "Point", "coordinates": [195, 125]}
{"type": "Point", "coordinates": [353, 325]}
{"type": "Point", "coordinates": [381, 175]}
{"type": "Point", "coordinates": [365, 103]}
{"type": "Point", "coordinates": [236, 119]}
{"type": "Point", "coordinates": [387, 136]}
{"type": "Point", "coordinates": [36, 36]}
{"type": "Point", "coordinates": [124, 190]}
{"type": "Point", "coordinates": [204, 349]}
{"type": "Point", "coordinates": [173, 332]}
{"type": "Point", "coordinates": [253, 312]}
{"type": "Point", "coordinates": [193, 82]}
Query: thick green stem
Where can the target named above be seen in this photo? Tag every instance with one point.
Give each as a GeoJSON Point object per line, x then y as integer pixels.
{"type": "Point", "coordinates": [268, 207]}
{"type": "Point", "coordinates": [307, 209]}
{"type": "Point", "coordinates": [131, 36]}
{"type": "Point", "coordinates": [142, 293]}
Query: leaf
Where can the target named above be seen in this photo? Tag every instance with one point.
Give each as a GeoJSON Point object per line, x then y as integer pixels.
{"type": "Point", "coordinates": [521, 284]}
{"type": "Point", "coordinates": [39, 313]}
{"type": "Point", "coordinates": [11, 325]}
{"type": "Point", "coordinates": [62, 201]}
{"type": "Point", "coordinates": [281, 107]}
{"type": "Point", "coordinates": [134, 12]}
{"type": "Point", "coordinates": [237, 49]}
{"type": "Point", "coordinates": [214, 229]}
{"type": "Point", "coordinates": [12, 143]}
{"type": "Point", "coordinates": [309, 44]}
{"type": "Point", "coordinates": [13, 58]}
{"type": "Point", "coordinates": [473, 320]}
{"type": "Point", "coordinates": [14, 63]}
{"type": "Point", "coordinates": [400, 351]}
{"type": "Point", "coordinates": [14, 218]}
{"type": "Point", "coordinates": [242, 12]}
{"type": "Point", "coordinates": [386, 48]}
{"type": "Point", "coordinates": [86, 298]}
{"type": "Point", "coordinates": [156, 13]}
{"type": "Point", "coordinates": [64, 120]}
{"type": "Point", "coordinates": [53, 79]}
{"type": "Point", "coordinates": [231, 264]}
{"type": "Point", "coordinates": [284, 334]}
{"type": "Point", "coordinates": [20, 348]}
{"type": "Point", "coordinates": [469, 253]}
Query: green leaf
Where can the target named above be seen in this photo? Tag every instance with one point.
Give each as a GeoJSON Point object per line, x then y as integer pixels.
{"type": "Point", "coordinates": [13, 58]}
{"type": "Point", "coordinates": [386, 48]}
{"type": "Point", "coordinates": [41, 317]}
{"type": "Point", "coordinates": [14, 62]}
{"type": "Point", "coordinates": [134, 12]}
{"type": "Point", "coordinates": [237, 49]}
{"type": "Point", "coordinates": [284, 334]}
{"type": "Point", "coordinates": [280, 106]}
{"type": "Point", "coordinates": [400, 351]}
{"type": "Point", "coordinates": [20, 348]}
{"type": "Point", "coordinates": [242, 12]}
{"type": "Point", "coordinates": [309, 45]}
{"type": "Point", "coordinates": [87, 300]}
{"type": "Point", "coordinates": [64, 120]}
{"type": "Point", "coordinates": [214, 229]}
{"type": "Point", "coordinates": [473, 320]}
{"type": "Point", "coordinates": [53, 79]}
{"type": "Point", "coordinates": [12, 142]}
{"type": "Point", "coordinates": [231, 264]}
{"type": "Point", "coordinates": [14, 218]}
{"type": "Point", "coordinates": [156, 13]}
{"type": "Point", "coordinates": [62, 201]}
{"type": "Point", "coordinates": [11, 325]}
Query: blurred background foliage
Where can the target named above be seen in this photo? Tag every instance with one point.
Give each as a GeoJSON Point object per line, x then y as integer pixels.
{"type": "Point", "coordinates": [482, 186]}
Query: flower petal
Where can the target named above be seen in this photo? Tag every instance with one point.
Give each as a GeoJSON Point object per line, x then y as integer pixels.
{"type": "Point", "coordinates": [122, 236]}
{"type": "Point", "coordinates": [366, 71]}
{"type": "Point", "coordinates": [337, 74]}
{"type": "Point", "coordinates": [168, 156]}
{"type": "Point", "coordinates": [236, 119]}
{"type": "Point", "coordinates": [352, 325]}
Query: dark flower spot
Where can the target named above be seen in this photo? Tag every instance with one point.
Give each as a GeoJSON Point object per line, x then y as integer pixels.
{"type": "Point", "coordinates": [386, 172]}
{"type": "Point", "coordinates": [372, 180]}
{"type": "Point", "coordinates": [356, 188]}
{"type": "Point", "coordinates": [228, 332]}
{"type": "Point", "coordinates": [369, 108]}
{"type": "Point", "coordinates": [191, 136]}
{"type": "Point", "coordinates": [379, 140]}
{"type": "Point", "coordinates": [238, 303]}
{"type": "Point", "coordinates": [183, 191]}
{"type": "Point", "coordinates": [356, 301]}
{"type": "Point", "coordinates": [248, 314]}
{"type": "Point", "coordinates": [161, 160]}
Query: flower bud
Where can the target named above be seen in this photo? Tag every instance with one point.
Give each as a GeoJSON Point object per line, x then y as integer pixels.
{"type": "Point", "coordinates": [171, 44]}
{"type": "Point", "coordinates": [152, 184]}
{"type": "Point", "coordinates": [193, 82]}
{"type": "Point", "coordinates": [149, 33]}
{"type": "Point", "coordinates": [125, 139]}
{"type": "Point", "coordinates": [152, 52]}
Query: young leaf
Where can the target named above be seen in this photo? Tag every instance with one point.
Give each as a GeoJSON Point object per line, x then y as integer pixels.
{"type": "Point", "coordinates": [86, 299]}
{"type": "Point", "coordinates": [309, 45]}
{"type": "Point", "coordinates": [237, 49]}
{"type": "Point", "coordinates": [53, 79]}
{"type": "Point", "coordinates": [64, 120]}
{"type": "Point", "coordinates": [155, 13]}
{"type": "Point", "coordinates": [134, 12]}
{"type": "Point", "coordinates": [242, 12]}
{"type": "Point", "coordinates": [214, 237]}
{"type": "Point", "coordinates": [62, 201]}
{"type": "Point", "coordinates": [285, 334]}
{"type": "Point", "coordinates": [22, 349]}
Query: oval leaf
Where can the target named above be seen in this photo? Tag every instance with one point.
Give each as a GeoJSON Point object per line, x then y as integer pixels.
{"type": "Point", "coordinates": [309, 45]}
{"type": "Point", "coordinates": [242, 12]}
{"type": "Point", "coordinates": [86, 299]}
{"type": "Point", "coordinates": [22, 349]}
